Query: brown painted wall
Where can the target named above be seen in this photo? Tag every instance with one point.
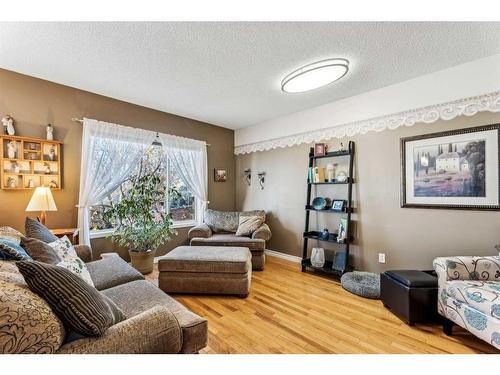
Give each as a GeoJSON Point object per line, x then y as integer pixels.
{"type": "Point", "coordinates": [34, 102]}
{"type": "Point", "coordinates": [410, 238]}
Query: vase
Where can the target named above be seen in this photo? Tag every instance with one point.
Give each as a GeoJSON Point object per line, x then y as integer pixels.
{"type": "Point", "coordinates": [142, 261]}
{"type": "Point", "coordinates": [318, 257]}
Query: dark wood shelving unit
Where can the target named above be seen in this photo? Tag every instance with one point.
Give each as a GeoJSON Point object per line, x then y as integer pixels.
{"type": "Point", "coordinates": [308, 234]}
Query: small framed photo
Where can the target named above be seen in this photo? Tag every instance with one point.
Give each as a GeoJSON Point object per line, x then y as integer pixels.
{"type": "Point", "coordinates": [320, 149]}
{"type": "Point", "coordinates": [220, 175]}
{"type": "Point", "coordinates": [338, 205]}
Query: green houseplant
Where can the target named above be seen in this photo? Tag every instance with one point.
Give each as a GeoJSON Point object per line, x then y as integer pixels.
{"type": "Point", "coordinates": [142, 222]}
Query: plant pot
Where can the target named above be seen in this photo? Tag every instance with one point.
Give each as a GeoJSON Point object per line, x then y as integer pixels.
{"type": "Point", "coordinates": [142, 261]}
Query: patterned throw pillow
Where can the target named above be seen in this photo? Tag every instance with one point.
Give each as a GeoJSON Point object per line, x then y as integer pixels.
{"type": "Point", "coordinates": [35, 229]}
{"type": "Point", "coordinates": [27, 323]}
{"type": "Point", "coordinates": [81, 307]}
{"type": "Point", "coordinates": [70, 260]}
{"type": "Point", "coordinates": [10, 234]}
{"type": "Point", "coordinates": [40, 250]}
{"type": "Point", "coordinates": [248, 225]}
{"type": "Point", "coordinates": [12, 251]}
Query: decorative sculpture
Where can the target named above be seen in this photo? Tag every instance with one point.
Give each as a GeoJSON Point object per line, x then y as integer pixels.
{"type": "Point", "coordinates": [11, 149]}
{"type": "Point", "coordinates": [50, 132]}
{"type": "Point", "coordinates": [8, 125]}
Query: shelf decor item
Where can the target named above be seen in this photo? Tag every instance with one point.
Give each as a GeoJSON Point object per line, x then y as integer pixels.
{"type": "Point", "coordinates": [330, 172]}
{"type": "Point", "coordinates": [318, 257]}
{"type": "Point", "coordinates": [43, 201]}
{"type": "Point", "coordinates": [340, 265]}
{"type": "Point", "coordinates": [8, 124]}
{"type": "Point", "coordinates": [325, 235]}
{"type": "Point", "coordinates": [11, 149]}
{"type": "Point", "coordinates": [50, 132]}
{"type": "Point", "coordinates": [456, 169]}
{"type": "Point", "coordinates": [319, 203]}
{"type": "Point", "coordinates": [338, 205]}
{"type": "Point", "coordinates": [320, 149]}
{"type": "Point", "coordinates": [342, 232]}
{"type": "Point", "coordinates": [341, 176]}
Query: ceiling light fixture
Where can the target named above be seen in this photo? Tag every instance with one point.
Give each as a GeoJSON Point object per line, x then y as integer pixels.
{"type": "Point", "coordinates": [315, 75]}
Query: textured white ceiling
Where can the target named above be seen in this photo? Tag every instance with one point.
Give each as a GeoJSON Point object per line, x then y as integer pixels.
{"type": "Point", "coordinates": [228, 74]}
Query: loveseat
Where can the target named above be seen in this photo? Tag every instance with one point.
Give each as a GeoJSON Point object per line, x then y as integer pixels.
{"type": "Point", "coordinates": [219, 229]}
{"type": "Point", "coordinates": [155, 322]}
{"type": "Point", "coordinates": [469, 295]}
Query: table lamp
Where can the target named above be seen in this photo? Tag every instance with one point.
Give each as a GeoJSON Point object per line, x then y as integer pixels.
{"type": "Point", "coordinates": [42, 200]}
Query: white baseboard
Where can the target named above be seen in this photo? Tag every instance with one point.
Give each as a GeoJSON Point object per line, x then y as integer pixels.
{"type": "Point", "coordinates": [291, 258]}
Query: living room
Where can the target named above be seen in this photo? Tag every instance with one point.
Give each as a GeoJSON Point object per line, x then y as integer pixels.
{"type": "Point", "coordinates": [250, 187]}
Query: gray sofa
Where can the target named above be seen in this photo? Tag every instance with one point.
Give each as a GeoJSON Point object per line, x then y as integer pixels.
{"type": "Point", "coordinates": [219, 228]}
{"type": "Point", "coordinates": [156, 323]}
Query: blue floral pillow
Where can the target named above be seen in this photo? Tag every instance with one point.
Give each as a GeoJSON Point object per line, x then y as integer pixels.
{"type": "Point", "coordinates": [11, 251]}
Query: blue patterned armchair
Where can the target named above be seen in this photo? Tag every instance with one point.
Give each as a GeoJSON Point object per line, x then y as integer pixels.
{"type": "Point", "coordinates": [469, 295]}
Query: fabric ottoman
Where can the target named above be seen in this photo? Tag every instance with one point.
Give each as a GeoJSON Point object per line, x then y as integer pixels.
{"type": "Point", "coordinates": [207, 270]}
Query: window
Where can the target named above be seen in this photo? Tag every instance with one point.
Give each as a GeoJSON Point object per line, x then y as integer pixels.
{"type": "Point", "coordinates": [179, 202]}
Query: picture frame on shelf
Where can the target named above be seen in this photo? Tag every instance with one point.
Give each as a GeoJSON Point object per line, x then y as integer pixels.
{"type": "Point", "coordinates": [456, 169]}
{"type": "Point", "coordinates": [338, 205]}
{"type": "Point", "coordinates": [320, 149]}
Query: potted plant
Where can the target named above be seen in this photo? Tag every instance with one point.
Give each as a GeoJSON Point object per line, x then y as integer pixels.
{"type": "Point", "coordinates": [142, 223]}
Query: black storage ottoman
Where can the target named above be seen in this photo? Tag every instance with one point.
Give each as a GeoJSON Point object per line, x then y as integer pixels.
{"type": "Point", "coordinates": [410, 294]}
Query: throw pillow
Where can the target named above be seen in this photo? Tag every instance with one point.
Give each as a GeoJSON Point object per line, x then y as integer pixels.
{"type": "Point", "coordinates": [40, 250]}
{"type": "Point", "coordinates": [248, 224]}
{"type": "Point", "coordinates": [81, 307]}
{"type": "Point", "coordinates": [10, 234]}
{"type": "Point", "coordinates": [69, 259]}
{"type": "Point", "coordinates": [27, 323]}
{"type": "Point", "coordinates": [11, 251]}
{"type": "Point", "coordinates": [35, 229]}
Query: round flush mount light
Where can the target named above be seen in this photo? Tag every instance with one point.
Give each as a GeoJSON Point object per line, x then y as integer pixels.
{"type": "Point", "coordinates": [315, 75]}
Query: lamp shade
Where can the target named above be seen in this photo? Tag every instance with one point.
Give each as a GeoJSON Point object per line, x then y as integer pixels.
{"type": "Point", "coordinates": [42, 200]}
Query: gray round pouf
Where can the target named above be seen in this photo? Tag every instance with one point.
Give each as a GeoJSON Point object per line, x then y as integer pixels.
{"type": "Point", "coordinates": [364, 284]}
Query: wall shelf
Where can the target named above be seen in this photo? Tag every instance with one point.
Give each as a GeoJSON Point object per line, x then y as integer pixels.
{"type": "Point", "coordinates": [28, 168]}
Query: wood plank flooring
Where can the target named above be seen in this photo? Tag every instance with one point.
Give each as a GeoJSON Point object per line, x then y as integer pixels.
{"type": "Point", "coordinates": [288, 311]}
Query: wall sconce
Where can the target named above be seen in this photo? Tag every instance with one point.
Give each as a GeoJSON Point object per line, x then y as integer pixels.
{"type": "Point", "coordinates": [262, 176]}
{"type": "Point", "coordinates": [248, 176]}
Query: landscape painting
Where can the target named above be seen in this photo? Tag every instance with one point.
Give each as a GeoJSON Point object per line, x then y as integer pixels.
{"type": "Point", "coordinates": [450, 169]}
{"type": "Point", "coordinates": [454, 169]}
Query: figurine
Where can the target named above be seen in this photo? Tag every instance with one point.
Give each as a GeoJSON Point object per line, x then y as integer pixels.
{"type": "Point", "coordinates": [52, 153]}
{"type": "Point", "coordinates": [14, 167]}
{"type": "Point", "coordinates": [341, 148]}
{"type": "Point", "coordinates": [11, 182]}
{"type": "Point", "coordinates": [53, 184]}
{"type": "Point", "coordinates": [325, 235]}
{"type": "Point", "coordinates": [8, 125]}
{"type": "Point", "coordinates": [47, 168]}
{"type": "Point", "coordinates": [11, 149]}
{"type": "Point", "coordinates": [50, 132]}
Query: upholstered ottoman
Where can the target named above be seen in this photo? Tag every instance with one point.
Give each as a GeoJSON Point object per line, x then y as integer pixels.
{"type": "Point", "coordinates": [206, 269]}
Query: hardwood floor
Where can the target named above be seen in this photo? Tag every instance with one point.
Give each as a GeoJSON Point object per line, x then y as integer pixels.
{"type": "Point", "coordinates": [288, 311]}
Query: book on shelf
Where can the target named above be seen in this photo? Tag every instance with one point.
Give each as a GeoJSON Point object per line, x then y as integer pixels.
{"type": "Point", "coordinates": [319, 174]}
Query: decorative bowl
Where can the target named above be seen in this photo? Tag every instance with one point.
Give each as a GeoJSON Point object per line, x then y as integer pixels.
{"type": "Point", "coordinates": [319, 203]}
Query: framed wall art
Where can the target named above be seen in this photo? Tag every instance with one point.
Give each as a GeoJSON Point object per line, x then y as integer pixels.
{"type": "Point", "coordinates": [220, 175]}
{"type": "Point", "coordinates": [456, 169]}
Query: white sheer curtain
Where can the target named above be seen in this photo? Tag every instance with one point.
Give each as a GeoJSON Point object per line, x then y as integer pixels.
{"type": "Point", "coordinates": [109, 154]}
{"type": "Point", "coordinates": [189, 158]}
